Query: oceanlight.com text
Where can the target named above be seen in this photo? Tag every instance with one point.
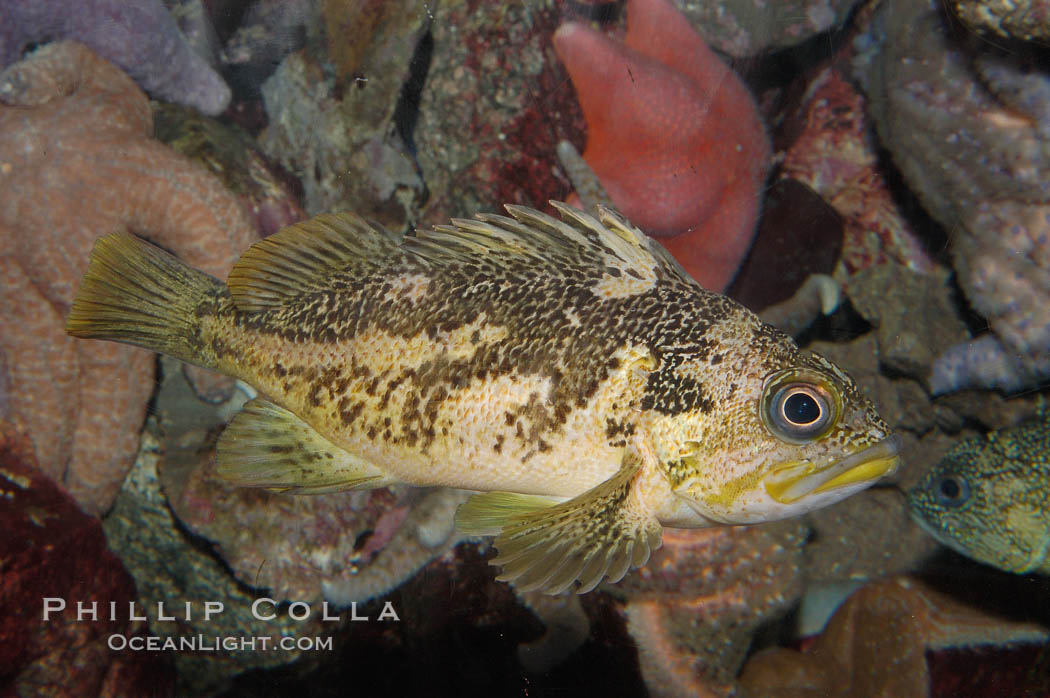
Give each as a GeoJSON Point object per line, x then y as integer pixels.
{"type": "Point", "coordinates": [216, 643]}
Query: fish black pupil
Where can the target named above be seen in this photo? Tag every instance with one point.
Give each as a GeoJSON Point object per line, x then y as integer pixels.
{"type": "Point", "coordinates": [950, 488]}
{"type": "Point", "coordinates": [801, 408]}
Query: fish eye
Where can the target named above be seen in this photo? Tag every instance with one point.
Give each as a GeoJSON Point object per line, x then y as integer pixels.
{"type": "Point", "coordinates": [951, 490]}
{"type": "Point", "coordinates": [799, 411]}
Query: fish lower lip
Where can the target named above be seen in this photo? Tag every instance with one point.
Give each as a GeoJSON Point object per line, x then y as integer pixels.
{"type": "Point", "coordinates": [793, 481]}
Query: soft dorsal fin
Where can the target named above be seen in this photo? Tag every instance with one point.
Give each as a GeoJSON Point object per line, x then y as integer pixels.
{"type": "Point", "coordinates": [303, 257]}
{"type": "Point", "coordinates": [578, 239]}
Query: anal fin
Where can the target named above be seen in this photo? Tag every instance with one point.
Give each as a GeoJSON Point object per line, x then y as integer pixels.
{"type": "Point", "coordinates": [268, 446]}
{"type": "Point", "coordinates": [548, 545]}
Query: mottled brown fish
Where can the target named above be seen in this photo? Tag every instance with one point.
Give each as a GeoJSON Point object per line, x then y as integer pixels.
{"type": "Point", "coordinates": [989, 498]}
{"type": "Point", "coordinates": [567, 369]}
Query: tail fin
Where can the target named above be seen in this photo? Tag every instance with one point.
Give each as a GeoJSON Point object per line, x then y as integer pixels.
{"type": "Point", "coordinates": [136, 293]}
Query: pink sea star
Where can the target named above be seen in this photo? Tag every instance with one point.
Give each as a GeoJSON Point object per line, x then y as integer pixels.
{"type": "Point", "coordinates": [77, 162]}
{"type": "Point", "coordinates": [673, 134]}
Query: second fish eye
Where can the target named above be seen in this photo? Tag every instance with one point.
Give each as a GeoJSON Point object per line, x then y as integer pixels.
{"type": "Point", "coordinates": [951, 490]}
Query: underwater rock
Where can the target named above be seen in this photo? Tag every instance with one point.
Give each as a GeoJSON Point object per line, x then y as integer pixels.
{"type": "Point", "coordinates": [265, 193]}
{"type": "Point", "coordinates": [829, 148]}
{"type": "Point", "coordinates": [673, 134]}
{"type": "Point", "coordinates": [915, 319]}
{"type": "Point", "coordinates": [749, 27]}
{"type": "Point", "coordinates": [5, 388]}
{"type": "Point", "coordinates": [340, 548]}
{"type": "Point", "coordinates": [194, 22]}
{"type": "Point", "coordinates": [494, 106]}
{"type": "Point", "coordinates": [344, 547]}
{"type": "Point", "coordinates": [851, 542]}
{"type": "Point", "coordinates": [268, 31]}
{"type": "Point", "coordinates": [693, 609]}
{"type": "Point", "coordinates": [369, 42]}
{"type": "Point", "coordinates": [141, 37]}
{"type": "Point", "coordinates": [908, 342]}
{"type": "Point", "coordinates": [819, 295]}
{"type": "Point", "coordinates": [52, 550]}
{"type": "Point", "coordinates": [875, 645]}
{"type": "Point", "coordinates": [76, 162]}
{"type": "Point", "coordinates": [171, 567]}
{"type": "Point", "coordinates": [336, 133]}
{"type": "Point", "coordinates": [984, 410]}
{"type": "Point", "coordinates": [980, 169]}
{"type": "Point", "coordinates": [457, 637]}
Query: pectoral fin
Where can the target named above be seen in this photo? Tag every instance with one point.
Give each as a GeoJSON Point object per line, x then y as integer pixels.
{"type": "Point", "coordinates": [548, 546]}
{"type": "Point", "coordinates": [268, 446]}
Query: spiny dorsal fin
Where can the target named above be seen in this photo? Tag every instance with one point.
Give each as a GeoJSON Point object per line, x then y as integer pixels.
{"type": "Point", "coordinates": [603, 532]}
{"type": "Point", "coordinates": [578, 239]}
{"type": "Point", "coordinates": [304, 257]}
{"type": "Point", "coordinates": [268, 446]}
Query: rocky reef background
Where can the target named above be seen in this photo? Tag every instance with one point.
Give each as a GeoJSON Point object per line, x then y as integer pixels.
{"type": "Point", "coordinates": [909, 165]}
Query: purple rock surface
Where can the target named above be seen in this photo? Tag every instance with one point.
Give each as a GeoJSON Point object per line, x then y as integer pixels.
{"type": "Point", "coordinates": [140, 37]}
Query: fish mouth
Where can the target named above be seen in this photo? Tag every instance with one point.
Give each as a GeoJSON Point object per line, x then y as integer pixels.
{"type": "Point", "coordinates": [792, 481]}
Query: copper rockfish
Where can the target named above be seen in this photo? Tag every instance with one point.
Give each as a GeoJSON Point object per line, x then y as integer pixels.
{"type": "Point", "coordinates": [569, 370]}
